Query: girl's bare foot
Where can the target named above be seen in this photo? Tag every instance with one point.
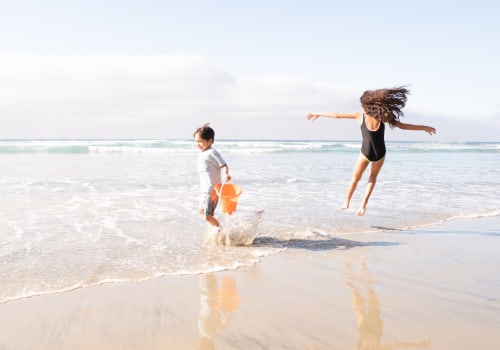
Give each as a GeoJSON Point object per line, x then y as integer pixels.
{"type": "Point", "coordinates": [361, 211]}
{"type": "Point", "coordinates": [345, 206]}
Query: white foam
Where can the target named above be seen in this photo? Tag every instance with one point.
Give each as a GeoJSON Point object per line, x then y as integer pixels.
{"type": "Point", "coordinates": [477, 215]}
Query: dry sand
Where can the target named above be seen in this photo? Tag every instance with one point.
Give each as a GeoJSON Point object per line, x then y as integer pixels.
{"type": "Point", "coordinates": [431, 288]}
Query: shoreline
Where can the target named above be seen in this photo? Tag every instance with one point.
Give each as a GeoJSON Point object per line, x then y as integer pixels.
{"type": "Point", "coordinates": [435, 287]}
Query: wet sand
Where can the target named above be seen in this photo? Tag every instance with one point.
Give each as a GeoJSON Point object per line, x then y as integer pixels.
{"type": "Point", "coordinates": [430, 288]}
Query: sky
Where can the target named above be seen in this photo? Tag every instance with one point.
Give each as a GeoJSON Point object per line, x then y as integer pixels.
{"type": "Point", "coordinates": [158, 69]}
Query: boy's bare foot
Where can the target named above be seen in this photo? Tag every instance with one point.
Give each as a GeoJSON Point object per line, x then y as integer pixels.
{"type": "Point", "coordinates": [345, 206]}
{"type": "Point", "coordinates": [213, 234]}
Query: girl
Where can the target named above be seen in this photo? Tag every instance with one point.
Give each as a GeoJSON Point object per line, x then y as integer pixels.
{"type": "Point", "coordinates": [378, 107]}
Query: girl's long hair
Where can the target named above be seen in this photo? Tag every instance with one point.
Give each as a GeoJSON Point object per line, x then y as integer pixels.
{"type": "Point", "coordinates": [385, 104]}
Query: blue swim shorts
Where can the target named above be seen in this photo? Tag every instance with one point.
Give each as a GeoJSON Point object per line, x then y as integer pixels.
{"type": "Point", "coordinates": [208, 203]}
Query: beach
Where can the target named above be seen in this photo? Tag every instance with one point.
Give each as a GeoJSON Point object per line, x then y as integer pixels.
{"type": "Point", "coordinates": [435, 287]}
{"type": "Point", "coordinates": [102, 247]}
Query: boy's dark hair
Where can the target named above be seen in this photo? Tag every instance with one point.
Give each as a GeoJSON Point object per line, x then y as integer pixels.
{"type": "Point", "coordinates": [205, 132]}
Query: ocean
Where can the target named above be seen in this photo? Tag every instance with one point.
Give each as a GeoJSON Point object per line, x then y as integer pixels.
{"type": "Point", "coordinates": [80, 213]}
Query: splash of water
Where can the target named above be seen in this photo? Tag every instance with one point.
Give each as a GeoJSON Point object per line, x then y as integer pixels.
{"type": "Point", "coordinates": [237, 230]}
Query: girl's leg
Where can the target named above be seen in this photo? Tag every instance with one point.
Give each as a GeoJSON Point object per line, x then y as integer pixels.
{"type": "Point", "coordinates": [375, 169]}
{"type": "Point", "coordinates": [361, 165]}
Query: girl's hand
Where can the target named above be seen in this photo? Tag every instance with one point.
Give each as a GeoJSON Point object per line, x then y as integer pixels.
{"type": "Point", "coordinates": [312, 116]}
{"type": "Point", "coordinates": [430, 130]}
{"type": "Point", "coordinates": [227, 178]}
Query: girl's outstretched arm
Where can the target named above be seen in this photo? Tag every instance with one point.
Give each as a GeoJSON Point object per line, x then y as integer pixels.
{"type": "Point", "coordinates": [314, 116]}
{"type": "Point", "coordinates": [428, 129]}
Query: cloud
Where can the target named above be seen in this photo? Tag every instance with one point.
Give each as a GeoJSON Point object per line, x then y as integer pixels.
{"type": "Point", "coordinates": [112, 82]}
{"type": "Point", "coordinates": [162, 96]}
{"type": "Point", "coordinates": [136, 96]}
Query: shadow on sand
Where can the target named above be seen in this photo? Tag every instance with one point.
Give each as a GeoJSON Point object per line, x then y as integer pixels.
{"type": "Point", "coordinates": [315, 244]}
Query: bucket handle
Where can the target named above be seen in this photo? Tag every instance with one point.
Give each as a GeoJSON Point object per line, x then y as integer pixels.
{"type": "Point", "coordinates": [221, 187]}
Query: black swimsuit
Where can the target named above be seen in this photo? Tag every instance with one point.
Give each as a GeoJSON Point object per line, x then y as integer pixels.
{"type": "Point", "coordinates": [373, 146]}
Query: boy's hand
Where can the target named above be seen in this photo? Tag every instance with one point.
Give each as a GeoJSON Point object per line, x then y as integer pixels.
{"type": "Point", "coordinates": [227, 178]}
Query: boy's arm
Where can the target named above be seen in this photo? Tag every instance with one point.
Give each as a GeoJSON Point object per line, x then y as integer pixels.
{"type": "Point", "coordinates": [428, 129]}
{"type": "Point", "coordinates": [225, 172]}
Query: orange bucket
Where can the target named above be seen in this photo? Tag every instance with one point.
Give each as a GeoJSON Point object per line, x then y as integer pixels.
{"type": "Point", "coordinates": [228, 194]}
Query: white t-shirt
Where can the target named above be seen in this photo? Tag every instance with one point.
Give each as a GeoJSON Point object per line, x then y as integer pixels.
{"type": "Point", "coordinates": [209, 164]}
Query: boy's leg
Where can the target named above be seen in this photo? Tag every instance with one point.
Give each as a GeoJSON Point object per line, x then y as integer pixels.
{"type": "Point", "coordinates": [360, 167]}
{"type": "Point", "coordinates": [212, 220]}
{"type": "Point", "coordinates": [208, 207]}
{"type": "Point", "coordinates": [374, 171]}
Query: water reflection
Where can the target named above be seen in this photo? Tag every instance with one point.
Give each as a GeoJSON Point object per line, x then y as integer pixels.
{"type": "Point", "coordinates": [216, 304]}
{"type": "Point", "coordinates": [366, 307]}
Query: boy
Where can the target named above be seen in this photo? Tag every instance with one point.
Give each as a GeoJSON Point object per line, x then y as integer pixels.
{"type": "Point", "coordinates": [210, 165]}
